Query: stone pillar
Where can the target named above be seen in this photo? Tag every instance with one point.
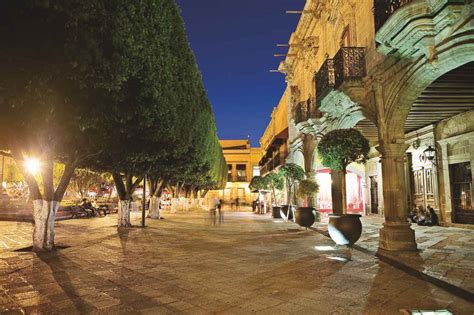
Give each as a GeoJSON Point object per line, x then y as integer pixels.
{"type": "Point", "coordinates": [338, 191]}
{"type": "Point", "coordinates": [396, 234]}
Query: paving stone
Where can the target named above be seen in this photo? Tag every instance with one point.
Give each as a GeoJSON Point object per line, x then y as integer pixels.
{"type": "Point", "coordinates": [249, 264]}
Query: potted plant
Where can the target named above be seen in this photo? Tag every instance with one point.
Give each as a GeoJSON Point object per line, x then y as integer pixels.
{"type": "Point", "coordinates": [275, 183]}
{"type": "Point", "coordinates": [337, 149]}
{"type": "Point", "coordinates": [258, 184]}
{"type": "Point", "coordinates": [292, 173]}
{"type": "Point", "coordinates": [306, 215]}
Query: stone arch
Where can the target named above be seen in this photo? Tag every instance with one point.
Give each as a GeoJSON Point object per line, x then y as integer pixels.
{"type": "Point", "coordinates": [418, 75]}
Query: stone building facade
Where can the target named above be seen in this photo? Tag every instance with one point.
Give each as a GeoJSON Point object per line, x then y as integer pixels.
{"type": "Point", "coordinates": [401, 72]}
{"type": "Point", "coordinates": [274, 142]}
{"type": "Point", "coordinates": [242, 162]}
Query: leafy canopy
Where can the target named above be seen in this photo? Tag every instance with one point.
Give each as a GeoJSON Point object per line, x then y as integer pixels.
{"type": "Point", "coordinates": [292, 172]}
{"type": "Point", "coordinates": [258, 183]}
{"type": "Point", "coordinates": [307, 188]}
{"type": "Point", "coordinates": [275, 180]}
{"type": "Point", "coordinates": [339, 148]}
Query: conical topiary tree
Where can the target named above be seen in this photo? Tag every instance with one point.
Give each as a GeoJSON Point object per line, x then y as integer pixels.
{"type": "Point", "coordinates": [339, 148]}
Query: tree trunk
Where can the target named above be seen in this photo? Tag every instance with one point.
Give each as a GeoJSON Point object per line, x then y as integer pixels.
{"type": "Point", "coordinates": [124, 214]}
{"type": "Point", "coordinates": [154, 211]}
{"type": "Point", "coordinates": [344, 192]}
{"type": "Point", "coordinates": [44, 215]}
{"type": "Point", "coordinates": [338, 191]}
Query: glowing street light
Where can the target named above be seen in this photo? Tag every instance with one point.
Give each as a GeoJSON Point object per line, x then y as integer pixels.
{"type": "Point", "coordinates": [32, 165]}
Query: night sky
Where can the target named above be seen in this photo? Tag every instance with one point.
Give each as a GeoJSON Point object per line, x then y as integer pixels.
{"type": "Point", "coordinates": [234, 42]}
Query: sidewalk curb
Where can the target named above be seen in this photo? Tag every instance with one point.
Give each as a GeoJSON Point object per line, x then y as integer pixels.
{"type": "Point", "coordinates": [451, 288]}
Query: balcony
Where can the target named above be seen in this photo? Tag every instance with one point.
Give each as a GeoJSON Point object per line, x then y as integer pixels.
{"type": "Point", "coordinates": [274, 162]}
{"type": "Point", "coordinates": [347, 65]}
{"type": "Point", "coordinates": [324, 80]}
{"type": "Point", "coordinates": [304, 111]}
{"type": "Point", "coordinates": [383, 9]}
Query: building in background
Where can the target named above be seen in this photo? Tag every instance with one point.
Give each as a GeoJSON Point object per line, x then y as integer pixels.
{"type": "Point", "coordinates": [242, 163]}
{"type": "Point", "coordinates": [274, 142]}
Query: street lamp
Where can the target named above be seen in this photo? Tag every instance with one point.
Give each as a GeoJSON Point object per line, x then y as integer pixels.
{"type": "Point", "coordinates": [430, 153]}
{"type": "Point", "coordinates": [32, 165]}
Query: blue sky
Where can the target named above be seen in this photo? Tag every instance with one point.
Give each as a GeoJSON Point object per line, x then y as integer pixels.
{"type": "Point", "coordinates": [234, 42]}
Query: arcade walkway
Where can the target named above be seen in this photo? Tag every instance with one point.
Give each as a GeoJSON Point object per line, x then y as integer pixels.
{"type": "Point", "coordinates": [182, 264]}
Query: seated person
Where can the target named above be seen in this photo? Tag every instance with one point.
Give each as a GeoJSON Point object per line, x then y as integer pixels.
{"type": "Point", "coordinates": [422, 216]}
{"type": "Point", "coordinates": [432, 219]}
{"type": "Point", "coordinates": [413, 215]}
{"type": "Point", "coordinates": [87, 206]}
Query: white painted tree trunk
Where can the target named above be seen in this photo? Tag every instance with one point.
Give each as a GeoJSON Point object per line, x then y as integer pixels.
{"type": "Point", "coordinates": [124, 214]}
{"type": "Point", "coordinates": [44, 215]}
{"type": "Point", "coordinates": [174, 205]}
{"type": "Point", "coordinates": [154, 211]}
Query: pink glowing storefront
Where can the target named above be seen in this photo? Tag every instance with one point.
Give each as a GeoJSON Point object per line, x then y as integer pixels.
{"type": "Point", "coordinates": [355, 201]}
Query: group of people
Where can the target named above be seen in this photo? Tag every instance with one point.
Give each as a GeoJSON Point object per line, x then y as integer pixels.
{"type": "Point", "coordinates": [424, 217]}
{"type": "Point", "coordinates": [215, 210]}
{"type": "Point", "coordinates": [91, 208]}
{"type": "Point", "coordinates": [259, 206]}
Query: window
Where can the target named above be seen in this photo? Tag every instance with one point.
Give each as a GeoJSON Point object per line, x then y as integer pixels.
{"type": "Point", "coordinates": [241, 173]}
{"type": "Point", "coordinates": [229, 172]}
{"type": "Point", "coordinates": [256, 171]}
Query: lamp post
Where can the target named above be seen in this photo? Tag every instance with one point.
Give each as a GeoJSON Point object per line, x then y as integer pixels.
{"type": "Point", "coordinates": [144, 201]}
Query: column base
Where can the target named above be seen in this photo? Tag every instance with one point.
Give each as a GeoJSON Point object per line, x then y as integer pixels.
{"type": "Point", "coordinates": [397, 237]}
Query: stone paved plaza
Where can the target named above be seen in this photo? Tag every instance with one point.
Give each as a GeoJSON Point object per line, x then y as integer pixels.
{"type": "Point", "coordinates": [183, 264]}
{"type": "Point", "coordinates": [445, 253]}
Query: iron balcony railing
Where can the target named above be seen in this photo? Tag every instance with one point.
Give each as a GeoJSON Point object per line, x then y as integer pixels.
{"type": "Point", "coordinates": [347, 64]}
{"type": "Point", "coordinates": [383, 9]}
{"type": "Point", "coordinates": [324, 80]}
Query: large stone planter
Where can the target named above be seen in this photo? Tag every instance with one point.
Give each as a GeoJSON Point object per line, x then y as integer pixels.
{"type": "Point", "coordinates": [305, 216]}
{"type": "Point", "coordinates": [284, 211]}
{"type": "Point", "coordinates": [276, 212]}
{"type": "Point", "coordinates": [344, 229]}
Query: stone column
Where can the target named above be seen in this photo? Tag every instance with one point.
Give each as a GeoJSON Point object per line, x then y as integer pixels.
{"type": "Point", "coordinates": [396, 234]}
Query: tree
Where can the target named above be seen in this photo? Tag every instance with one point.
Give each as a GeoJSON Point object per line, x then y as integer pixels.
{"type": "Point", "coordinates": [276, 182]}
{"type": "Point", "coordinates": [84, 180]}
{"type": "Point", "coordinates": [337, 149]}
{"type": "Point", "coordinates": [42, 103]}
{"type": "Point", "coordinates": [160, 121]}
{"type": "Point", "coordinates": [292, 174]}
{"type": "Point", "coordinates": [258, 183]}
{"type": "Point", "coordinates": [307, 188]}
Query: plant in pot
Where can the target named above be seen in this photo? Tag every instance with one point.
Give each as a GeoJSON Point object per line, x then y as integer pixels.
{"type": "Point", "coordinates": [306, 215]}
{"type": "Point", "coordinates": [275, 184]}
{"type": "Point", "coordinates": [259, 184]}
{"type": "Point", "coordinates": [337, 149]}
{"type": "Point", "coordinates": [292, 173]}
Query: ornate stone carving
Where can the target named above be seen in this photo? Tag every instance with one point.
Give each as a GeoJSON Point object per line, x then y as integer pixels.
{"type": "Point", "coordinates": [333, 10]}
{"type": "Point", "coordinates": [295, 95]}
{"type": "Point", "coordinates": [285, 68]}
{"type": "Point", "coordinates": [308, 49]}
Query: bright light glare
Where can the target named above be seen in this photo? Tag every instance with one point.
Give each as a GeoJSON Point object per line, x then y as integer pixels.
{"type": "Point", "coordinates": [32, 165]}
{"type": "Point", "coordinates": [324, 248]}
{"type": "Point", "coordinates": [4, 185]}
{"type": "Point", "coordinates": [338, 258]}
